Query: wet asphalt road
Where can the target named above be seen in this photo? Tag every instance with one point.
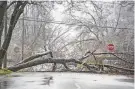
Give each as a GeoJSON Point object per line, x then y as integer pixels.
{"type": "Point", "coordinates": [49, 80]}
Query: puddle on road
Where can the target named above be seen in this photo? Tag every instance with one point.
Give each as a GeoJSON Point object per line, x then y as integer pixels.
{"type": "Point", "coordinates": [126, 80]}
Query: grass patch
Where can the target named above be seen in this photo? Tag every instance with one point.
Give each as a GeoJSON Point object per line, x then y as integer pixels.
{"type": "Point", "coordinates": [5, 71]}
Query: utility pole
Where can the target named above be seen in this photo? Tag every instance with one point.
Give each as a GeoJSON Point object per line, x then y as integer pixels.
{"type": "Point", "coordinates": [23, 38]}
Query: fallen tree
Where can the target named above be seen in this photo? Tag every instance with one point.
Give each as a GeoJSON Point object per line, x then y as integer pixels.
{"type": "Point", "coordinates": [48, 60]}
{"type": "Point", "coordinates": [32, 61]}
{"type": "Point", "coordinates": [63, 61]}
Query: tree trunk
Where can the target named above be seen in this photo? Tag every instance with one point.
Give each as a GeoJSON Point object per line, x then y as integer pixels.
{"type": "Point", "coordinates": [14, 18]}
{"type": "Point", "coordinates": [33, 57]}
{"type": "Point", "coordinates": [48, 60]}
{"type": "Point", "coordinates": [54, 67]}
{"type": "Point", "coordinates": [3, 5]}
{"type": "Point", "coordinates": [5, 33]}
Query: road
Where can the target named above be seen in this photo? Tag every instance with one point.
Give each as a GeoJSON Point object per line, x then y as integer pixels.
{"type": "Point", "coordinates": [66, 81]}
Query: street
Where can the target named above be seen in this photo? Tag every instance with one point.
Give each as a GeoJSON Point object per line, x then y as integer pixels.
{"type": "Point", "coordinates": [66, 81]}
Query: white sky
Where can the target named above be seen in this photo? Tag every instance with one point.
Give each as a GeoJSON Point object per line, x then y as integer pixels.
{"type": "Point", "coordinates": [59, 16]}
{"type": "Point", "coordinates": [57, 13]}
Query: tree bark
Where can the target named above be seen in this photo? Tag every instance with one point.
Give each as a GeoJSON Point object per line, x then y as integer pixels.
{"type": "Point", "coordinates": [54, 67]}
{"type": "Point", "coordinates": [34, 57]}
{"type": "Point", "coordinates": [5, 33]}
{"type": "Point", "coordinates": [3, 5]}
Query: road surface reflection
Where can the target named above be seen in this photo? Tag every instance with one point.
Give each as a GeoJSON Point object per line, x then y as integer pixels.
{"type": "Point", "coordinates": [36, 80]}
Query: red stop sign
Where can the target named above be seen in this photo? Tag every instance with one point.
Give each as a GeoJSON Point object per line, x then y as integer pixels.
{"type": "Point", "coordinates": [110, 47]}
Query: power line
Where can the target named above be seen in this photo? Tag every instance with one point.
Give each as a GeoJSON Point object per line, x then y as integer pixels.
{"type": "Point", "coordinates": [59, 22]}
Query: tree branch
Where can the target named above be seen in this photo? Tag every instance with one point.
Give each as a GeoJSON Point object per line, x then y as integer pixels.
{"type": "Point", "coordinates": [115, 56]}
{"type": "Point", "coordinates": [33, 57]}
